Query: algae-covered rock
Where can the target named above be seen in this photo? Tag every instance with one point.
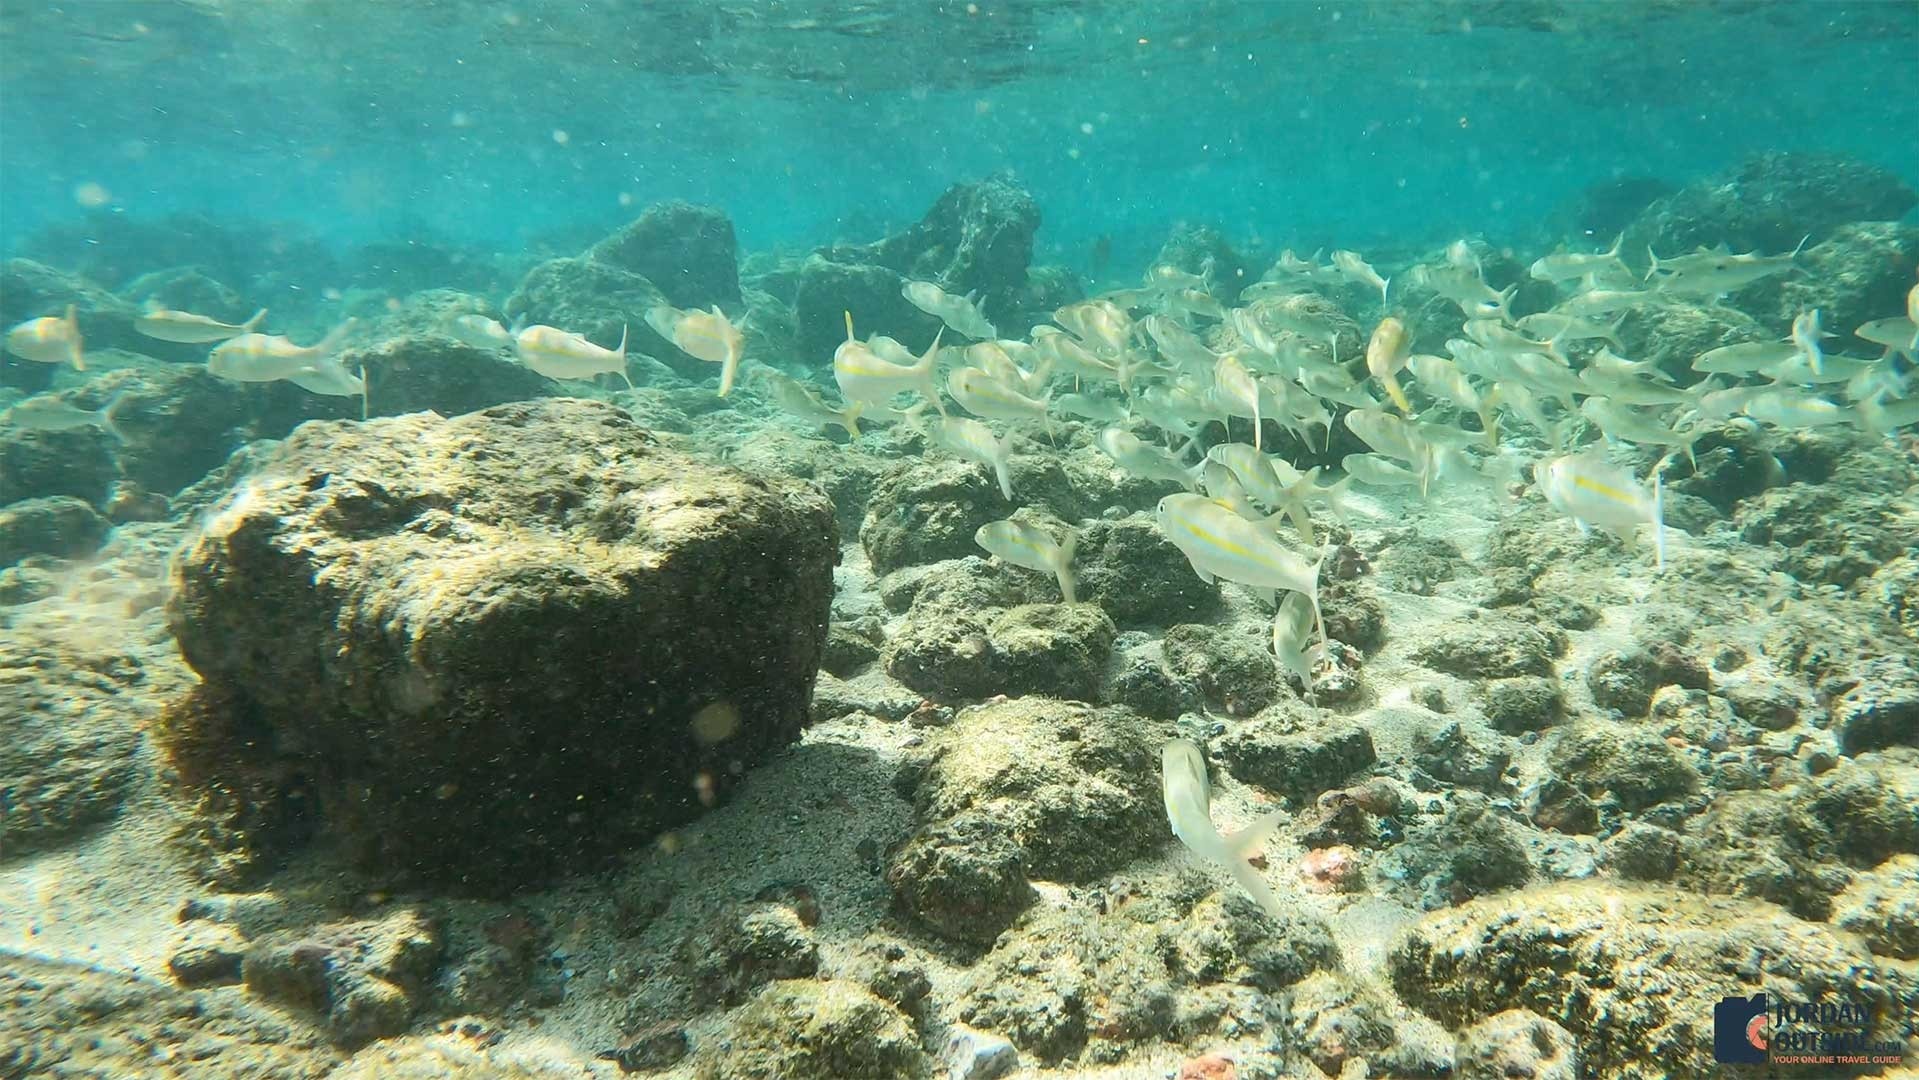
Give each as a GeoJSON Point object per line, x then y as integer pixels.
{"type": "Point", "coordinates": [1516, 1043]}
{"type": "Point", "coordinates": [1643, 852]}
{"type": "Point", "coordinates": [501, 642]}
{"type": "Point", "coordinates": [1227, 938]}
{"type": "Point", "coordinates": [1672, 334]}
{"type": "Point", "coordinates": [1859, 273]}
{"type": "Point", "coordinates": [1632, 973]}
{"type": "Point", "coordinates": [944, 654]}
{"type": "Point", "coordinates": [688, 252]}
{"type": "Point", "coordinates": [1450, 753]}
{"type": "Point", "coordinates": [1882, 906]}
{"type": "Point", "coordinates": [1025, 788]}
{"type": "Point", "coordinates": [448, 1056]}
{"type": "Point", "coordinates": [1768, 203]}
{"type": "Point", "coordinates": [601, 301]}
{"type": "Point", "coordinates": [1636, 767]}
{"type": "Point", "coordinates": [1525, 703]}
{"type": "Point", "coordinates": [929, 512]}
{"type": "Point", "coordinates": [1292, 753]}
{"type": "Point", "coordinates": [746, 946]}
{"type": "Point", "coordinates": [1759, 844]}
{"type": "Point", "coordinates": [1129, 568]}
{"type": "Point", "coordinates": [363, 978]}
{"type": "Point", "coordinates": [1073, 983]}
{"type": "Point", "coordinates": [1469, 852]}
{"type": "Point", "coordinates": [69, 742]}
{"type": "Point", "coordinates": [58, 525]}
{"type": "Point", "coordinates": [1490, 647]}
{"type": "Point", "coordinates": [1059, 650]}
{"type": "Point", "coordinates": [412, 373]}
{"type": "Point", "coordinates": [1232, 665]}
{"type": "Point", "coordinates": [72, 1020]}
{"type": "Point", "coordinates": [1336, 1019]}
{"type": "Point", "coordinates": [1868, 807]}
{"type": "Point", "coordinates": [802, 1029]}
{"type": "Point", "coordinates": [1881, 709]}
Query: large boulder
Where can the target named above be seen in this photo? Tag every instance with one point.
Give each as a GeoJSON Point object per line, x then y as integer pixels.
{"type": "Point", "coordinates": [492, 645]}
{"type": "Point", "coordinates": [977, 237]}
{"type": "Point", "coordinates": [1768, 204]}
{"type": "Point", "coordinates": [416, 372]}
{"type": "Point", "coordinates": [688, 252]}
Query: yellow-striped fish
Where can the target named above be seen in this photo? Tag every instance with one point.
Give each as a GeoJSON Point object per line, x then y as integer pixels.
{"type": "Point", "coordinates": [1592, 491]}
{"type": "Point", "coordinates": [1034, 548]}
{"type": "Point", "coordinates": [558, 354]}
{"type": "Point", "coordinates": [1221, 544]}
{"type": "Point", "coordinates": [703, 335]}
{"type": "Point", "coordinates": [1386, 355]}
{"type": "Point", "coordinates": [271, 357]}
{"type": "Point", "coordinates": [863, 375]}
{"type": "Point", "coordinates": [50, 339]}
{"type": "Point", "coordinates": [165, 324]}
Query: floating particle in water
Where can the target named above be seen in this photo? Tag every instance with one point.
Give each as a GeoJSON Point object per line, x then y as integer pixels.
{"type": "Point", "coordinates": [626, 198]}
{"type": "Point", "coordinates": [462, 119]}
{"type": "Point", "coordinates": [560, 136]}
{"type": "Point", "coordinates": [707, 788]}
{"type": "Point", "coordinates": [716, 723]}
{"type": "Point", "coordinates": [91, 195]}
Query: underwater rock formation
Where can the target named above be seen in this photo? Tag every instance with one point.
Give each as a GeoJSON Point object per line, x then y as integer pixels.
{"type": "Point", "coordinates": [502, 643]}
{"type": "Point", "coordinates": [975, 237]}
{"type": "Point", "coordinates": [71, 751]}
{"type": "Point", "coordinates": [1030, 788]}
{"type": "Point", "coordinates": [1768, 203]}
{"type": "Point", "coordinates": [414, 373]}
{"type": "Point", "coordinates": [688, 252]}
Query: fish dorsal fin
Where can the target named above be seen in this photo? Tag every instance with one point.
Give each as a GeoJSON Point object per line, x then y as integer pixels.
{"type": "Point", "coordinates": [849, 324]}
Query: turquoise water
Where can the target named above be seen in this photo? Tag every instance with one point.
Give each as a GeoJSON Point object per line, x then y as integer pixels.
{"type": "Point", "coordinates": [865, 540]}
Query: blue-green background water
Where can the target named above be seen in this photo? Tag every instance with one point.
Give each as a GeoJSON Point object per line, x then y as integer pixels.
{"type": "Point", "coordinates": [1295, 123]}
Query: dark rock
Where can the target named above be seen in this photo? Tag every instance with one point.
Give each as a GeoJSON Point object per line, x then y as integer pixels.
{"type": "Point", "coordinates": [26, 584]}
{"type": "Point", "coordinates": [1868, 808]}
{"type": "Point", "coordinates": [1623, 681]}
{"type": "Point", "coordinates": [1768, 203]}
{"type": "Point", "coordinates": [944, 654]}
{"type": "Point", "coordinates": [686, 251]}
{"type": "Point", "coordinates": [1334, 1019]}
{"type": "Point", "coordinates": [601, 301]}
{"type": "Point", "coordinates": [1526, 703]}
{"type": "Point", "coordinates": [1145, 686]}
{"type": "Point", "coordinates": [1604, 209]}
{"type": "Point", "coordinates": [1516, 1043]}
{"type": "Point", "coordinates": [1674, 333]}
{"type": "Point", "coordinates": [1129, 568]}
{"type": "Point", "coordinates": [976, 237]}
{"type": "Point", "coordinates": [186, 288]}
{"type": "Point", "coordinates": [1881, 711]}
{"type": "Point", "coordinates": [928, 512]}
{"type": "Point", "coordinates": [364, 978]}
{"type": "Point", "coordinates": [1637, 767]}
{"type": "Point", "coordinates": [1231, 665]}
{"type": "Point", "coordinates": [1294, 755]}
{"type": "Point", "coordinates": [1858, 274]}
{"type": "Point", "coordinates": [806, 1029]}
{"type": "Point", "coordinates": [1049, 789]}
{"type": "Point", "coordinates": [1353, 614]}
{"type": "Point", "coordinates": [658, 1047]}
{"type": "Point", "coordinates": [416, 373]}
{"type": "Point", "coordinates": [58, 525]}
{"type": "Point", "coordinates": [1643, 852]}
{"type": "Point", "coordinates": [1600, 957]}
{"type": "Point", "coordinates": [1554, 804]}
{"type": "Point", "coordinates": [1204, 250]}
{"type": "Point", "coordinates": [1449, 754]}
{"type": "Point", "coordinates": [1411, 562]}
{"type": "Point", "coordinates": [743, 948]}
{"type": "Point", "coordinates": [848, 649]}
{"type": "Point", "coordinates": [29, 290]}
{"type": "Point", "coordinates": [1489, 648]}
{"type": "Point", "coordinates": [204, 965]}
{"type": "Point", "coordinates": [829, 288]}
{"type": "Point", "coordinates": [382, 584]}
{"type": "Point", "coordinates": [1471, 851]}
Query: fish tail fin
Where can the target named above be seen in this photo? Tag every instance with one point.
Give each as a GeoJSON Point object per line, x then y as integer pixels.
{"type": "Point", "coordinates": [849, 324]}
{"type": "Point", "coordinates": [330, 344]}
{"type": "Point", "coordinates": [1336, 499]}
{"type": "Point", "coordinates": [621, 351]}
{"type": "Point", "coordinates": [1246, 843]}
{"type": "Point", "coordinates": [1063, 568]}
{"type": "Point", "coordinates": [76, 352]}
{"type": "Point", "coordinates": [110, 414]}
{"type": "Point", "coordinates": [1383, 283]}
{"type": "Point", "coordinates": [1794, 256]}
{"type": "Point", "coordinates": [1613, 252]}
{"type": "Point", "coordinates": [1391, 383]}
{"type": "Point", "coordinates": [1659, 520]}
{"type": "Point", "coordinates": [253, 323]}
{"type": "Point", "coordinates": [850, 418]}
